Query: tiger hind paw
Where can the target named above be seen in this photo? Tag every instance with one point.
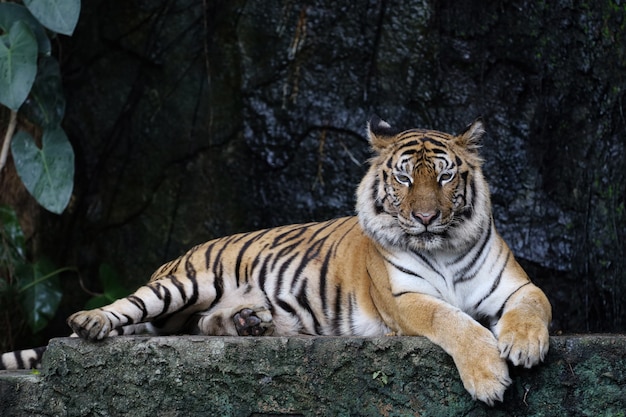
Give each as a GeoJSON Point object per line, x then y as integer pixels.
{"type": "Point", "coordinates": [253, 322]}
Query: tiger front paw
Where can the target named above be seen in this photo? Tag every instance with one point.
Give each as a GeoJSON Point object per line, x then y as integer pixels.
{"type": "Point", "coordinates": [484, 373]}
{"type": "Point", "coordinates": [487, 380]}
{"type": "Point", "coordinates": [90, 325]}
{"type": "Point", "coordinates": [523, 342]}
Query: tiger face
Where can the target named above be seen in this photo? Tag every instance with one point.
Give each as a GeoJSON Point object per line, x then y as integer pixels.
{"type": "Point", "coordinates": [424, 189]}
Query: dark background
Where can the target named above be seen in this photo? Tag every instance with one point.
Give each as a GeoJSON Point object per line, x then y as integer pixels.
{"type": "Point", "coordinates": [195, 119]}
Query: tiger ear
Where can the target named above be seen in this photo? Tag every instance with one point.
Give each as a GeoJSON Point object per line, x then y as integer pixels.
{"type": "Point", "coordinates": [380, 133]}
{"type": "Point", "coordinates": [471, 138]}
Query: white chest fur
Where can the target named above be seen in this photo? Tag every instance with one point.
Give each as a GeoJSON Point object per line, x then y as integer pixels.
{"type": "Point", "coordinates": [476, 281]}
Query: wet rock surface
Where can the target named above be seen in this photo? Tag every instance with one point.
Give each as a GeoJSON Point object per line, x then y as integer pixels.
{"type": "Point", "coordinates": [193, 120]}
{"type": "Point", "coordinates": [305, 376]}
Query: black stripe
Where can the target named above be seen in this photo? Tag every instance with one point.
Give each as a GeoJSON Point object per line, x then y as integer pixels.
{"type": "Point", "coordinates": [253, 237]}
{"type": "Point", "coordinates": [288, 308]}
{"type": "Point", "coordinates": [192, 276]}
{"type": "Point", "coordinates": [410, 133]}
{"type": "Point", "coordinates": [289, 235]}
{"type": "Point", "coordinates": [399, 294]}
{"type": "Point", "coordinates": [336, 323]}
{"type": "Point", "coordinates": [407, 152]}
{"type": "Point", "coordinates": [171, 266]}
{"type": "Point", "coordinates": [464, 177]}
{"type": "Point", "coordinates": [433, 141]}
{"type": "Point", "coordinates": [408, 144]}
{"type": "Point", "coordinates": [472, 185]}
{"type": "Point", "coordinates": [466, 183]}
{"type": "Point", "coordinates": [188, 300]}
{"type": "Point", "coordinates": [486, 237]}
{"type": "Point", "coordinates": [218, 284]}
{"type": "Point", "coordinates": [429, 264]}
{"type": "Point", "coordinates": [218, 280]}
{"type": "Point", "coordinates": [180, 286]}
{"type": "Point", "coordinates": [18, 359]}
{"type": "Point", "coordinates": [283, 268]}
{"type": "Point", "coordinates": [114, 314]}
{"type": "Point", "coordinates": [207, 255]}
{"type": "Point", "coordinates": [496, 282]}
{"type": "Point", "coordinates": [462, 276]}
{"type": "Point", "coordinates": [378, 205]}
{"type": "Point", "coordinates": [165, 296]}
{"type": "Point", "coordinates": [501, 310]}
{"type": "Point", "coordinates": [282, 253]}
{"type": "Point", "coordinates": [218, 268]}
{"type": "Point", "coordinates": [403, 269]}
{"type": "Point", "coordinates": [310, 254]}
{"type": "Point", "coordinates": [351, 312]}
{"type": "Point", "coordinates": [138, 302]}
{"type": "Point", "coordinates": [440, 152]}
{"type": "Point", "coordinates": [224, 243]}
{"type": "Point", "coordinates": [263, 275]}
{"type": "Point", "coordinates": [240, 254]}
{"type": "Point", "coordinates": [325, 226]}
{"type": "Point", "coordinates": [39, 351]}
{"type": "Point", "coordinates": [303, 300]}
{"type": "Point", "coordinates": [322, 280]}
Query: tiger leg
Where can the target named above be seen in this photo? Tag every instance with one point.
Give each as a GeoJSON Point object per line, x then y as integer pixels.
{"type": "Point", "coordinates": [522, 331]}
{"type": "Point", "coordinates": [130, 329]}
{"type": "Point", "coordinates": [474, 349]}
{"type": "Point", "coordinates": [239, 321]}
{"type": "Point", "coordinates": [158, 299]}
{"type": "Point", "coordinates": [242, 312]}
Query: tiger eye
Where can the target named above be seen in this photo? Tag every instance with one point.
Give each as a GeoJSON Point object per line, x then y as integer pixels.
{"type": "Point", "coordinates": [446, 176]}
{"type": "Point", "coordinates": [403, 179]}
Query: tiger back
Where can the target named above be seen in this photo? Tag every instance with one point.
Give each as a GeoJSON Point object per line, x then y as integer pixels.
{"type": "Point", "coordinates": [422, 257]}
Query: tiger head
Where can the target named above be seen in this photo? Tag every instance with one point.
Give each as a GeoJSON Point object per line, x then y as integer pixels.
{"type": "Point", "coordinates": [424, 189]}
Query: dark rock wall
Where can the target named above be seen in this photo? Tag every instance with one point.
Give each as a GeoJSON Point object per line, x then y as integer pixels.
{"type": "Point", "coordinates": [195, 119]}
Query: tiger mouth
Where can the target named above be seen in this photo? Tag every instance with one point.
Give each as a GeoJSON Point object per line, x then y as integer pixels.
{"type": "Point", "coordinates": [419, 230]}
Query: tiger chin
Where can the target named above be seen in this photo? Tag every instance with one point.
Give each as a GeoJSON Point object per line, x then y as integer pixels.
{"type": "Point", "coordinates": [422, 257]}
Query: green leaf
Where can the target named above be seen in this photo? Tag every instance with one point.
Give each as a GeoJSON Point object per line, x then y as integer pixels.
{"type": "Point", "coordinates": [47, 173]}
{"type": "Point", "coordinates": [112, 286]}
{"type": "Point", "coordinates": [97, 302]}
{"type": "Point", "coordinates": [45, 106]}
{"type": "Point", "coordinates": [12, 232]}
{"type": "Point", "coordinates": [59, 16]}
{"type": "Point", "coordinates": [40, 291]}
{"type": "Point", "coordinates": [11, 13]}
{"type": "Point", "coordinates": [18, 64]}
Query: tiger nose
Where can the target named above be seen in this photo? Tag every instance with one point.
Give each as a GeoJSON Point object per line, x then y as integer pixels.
{"type": "Point", "coordinates": [425, 217]}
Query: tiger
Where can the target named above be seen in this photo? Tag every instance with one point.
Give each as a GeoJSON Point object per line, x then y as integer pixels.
{"type": "Point", "coordinates": [421, 257]}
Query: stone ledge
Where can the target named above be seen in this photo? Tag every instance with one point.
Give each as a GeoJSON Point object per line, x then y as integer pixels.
{"type": "Point", "coordinates": [309, 376]}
